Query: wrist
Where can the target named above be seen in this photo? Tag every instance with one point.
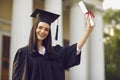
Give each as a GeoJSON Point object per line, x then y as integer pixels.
{"type": "Point", "coordinates": [88, 31]}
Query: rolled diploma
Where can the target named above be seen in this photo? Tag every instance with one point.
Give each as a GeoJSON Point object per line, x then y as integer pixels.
{"type": "Point", "coordinates": [84, 9]}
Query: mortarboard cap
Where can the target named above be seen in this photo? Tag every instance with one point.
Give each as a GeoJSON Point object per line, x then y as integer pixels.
{"type": "Point", "coordinates": [47, 17]}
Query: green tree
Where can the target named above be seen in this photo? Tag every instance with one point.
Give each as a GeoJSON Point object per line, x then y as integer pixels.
{"type": "Point", "coordinates": [111, 20]}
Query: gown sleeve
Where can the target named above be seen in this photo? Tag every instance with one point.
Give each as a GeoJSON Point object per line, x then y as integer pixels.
{"type": "Point", "coordinates": [69, 56]}
{"type": "Point", "coordinates": [20, 66]}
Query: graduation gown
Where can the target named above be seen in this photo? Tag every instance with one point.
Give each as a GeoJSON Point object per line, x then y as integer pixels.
{"type": "Point", "coordinates": [38, 67]}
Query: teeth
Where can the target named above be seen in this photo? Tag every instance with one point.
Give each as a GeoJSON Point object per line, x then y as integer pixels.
{"type": "Point", "coordinates": [42, 35]}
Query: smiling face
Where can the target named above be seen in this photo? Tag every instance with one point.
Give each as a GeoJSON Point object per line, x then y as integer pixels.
{"type": "Point", "coordinates": [42, 31]}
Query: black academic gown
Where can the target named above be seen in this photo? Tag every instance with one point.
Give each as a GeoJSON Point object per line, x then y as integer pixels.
{"type": "Point", "coordinates": [38, 67]}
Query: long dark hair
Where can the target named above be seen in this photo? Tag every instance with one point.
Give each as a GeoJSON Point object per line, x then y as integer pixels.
{"type": "Point", "coordinates": [47, 43]}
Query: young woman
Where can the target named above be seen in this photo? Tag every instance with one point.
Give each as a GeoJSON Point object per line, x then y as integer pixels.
{"type": "Point", "coordinates": [39, 60]}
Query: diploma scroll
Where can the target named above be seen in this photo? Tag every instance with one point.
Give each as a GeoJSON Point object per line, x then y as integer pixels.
{"type": "Point", "coordinates": [84, 9]}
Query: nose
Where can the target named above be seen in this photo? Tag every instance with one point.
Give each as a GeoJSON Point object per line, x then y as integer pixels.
{"type": "Point", "coordinates": [42, 30]}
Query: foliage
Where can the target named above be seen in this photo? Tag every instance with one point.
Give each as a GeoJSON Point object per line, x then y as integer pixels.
{"type": "Point", "coordinates": [112, 45]}
{"type": "Point", "coordinates": [111, 15]}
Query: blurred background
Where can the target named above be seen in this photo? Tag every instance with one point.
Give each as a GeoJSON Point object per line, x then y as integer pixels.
{"type": "Point", "coordinates": [100, 54]}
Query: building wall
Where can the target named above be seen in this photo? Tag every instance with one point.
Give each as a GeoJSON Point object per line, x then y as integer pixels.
{"type": "Point", "coordinates": [5, 9]}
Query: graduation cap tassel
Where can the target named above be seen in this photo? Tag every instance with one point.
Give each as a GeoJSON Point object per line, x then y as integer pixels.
{"type": "Point", "coordinates": [56, 36]}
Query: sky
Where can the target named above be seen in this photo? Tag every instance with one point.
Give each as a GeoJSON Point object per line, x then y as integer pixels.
{"type": "Point", "coordinates": [114, 4]}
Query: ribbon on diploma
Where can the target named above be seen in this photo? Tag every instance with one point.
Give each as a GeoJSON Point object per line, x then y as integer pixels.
{"type": "Point", "coordinates": [89, 13]}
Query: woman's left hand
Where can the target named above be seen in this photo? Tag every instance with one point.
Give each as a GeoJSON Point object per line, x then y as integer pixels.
{"type": "Point", "coordinates": [89, 27]}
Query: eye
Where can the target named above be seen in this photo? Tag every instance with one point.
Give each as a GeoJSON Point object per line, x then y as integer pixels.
{"type": "Point", "coordinates": [46, 29]}
{"type": "Point", "coordinates": [39, 27]}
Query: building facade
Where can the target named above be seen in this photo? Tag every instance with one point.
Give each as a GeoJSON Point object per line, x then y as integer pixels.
{"type": "Point", "coordinates": [16, 23]}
